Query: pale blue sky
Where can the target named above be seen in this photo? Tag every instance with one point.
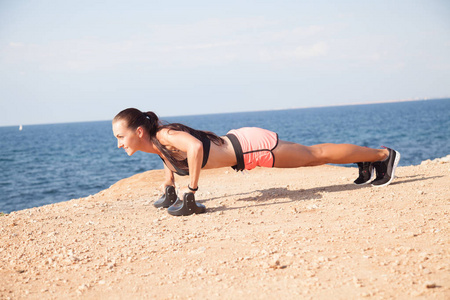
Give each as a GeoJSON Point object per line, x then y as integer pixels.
{"type": "Point", "coordinates": [68, 61]}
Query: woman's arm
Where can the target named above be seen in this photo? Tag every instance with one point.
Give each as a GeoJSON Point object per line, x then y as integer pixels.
{"type": "Point", "coordinates": [195, 159]}
{"type": "Point", "coordinates": [193, 148]}
{"type": "Point", "coordinates": [169, 179]}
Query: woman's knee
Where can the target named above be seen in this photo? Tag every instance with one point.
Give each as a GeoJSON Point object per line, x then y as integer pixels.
{"type": "Point", "coordinates": [318, 155]}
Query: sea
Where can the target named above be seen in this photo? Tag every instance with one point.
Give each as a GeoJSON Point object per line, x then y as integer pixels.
{"type": "Point", "coordinates": [44, 164]}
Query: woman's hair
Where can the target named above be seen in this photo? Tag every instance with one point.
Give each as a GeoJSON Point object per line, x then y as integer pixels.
{"type": "Point", "coordinates": [135, 118]}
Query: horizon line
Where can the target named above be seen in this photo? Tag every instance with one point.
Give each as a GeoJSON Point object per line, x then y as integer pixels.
{"type": "Point", "coordinates": [249, 111]}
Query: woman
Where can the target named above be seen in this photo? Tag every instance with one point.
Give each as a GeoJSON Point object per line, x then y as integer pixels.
{"type": "Point", "coordinates": [186, 151]}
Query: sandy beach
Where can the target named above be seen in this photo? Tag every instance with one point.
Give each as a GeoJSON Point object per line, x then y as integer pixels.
{"type": "Point", "coordinates": [306, 233]}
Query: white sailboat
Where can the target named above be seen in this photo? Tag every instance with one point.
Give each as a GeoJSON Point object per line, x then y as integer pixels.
{"type": "Point", "coordinates": [20, 127]}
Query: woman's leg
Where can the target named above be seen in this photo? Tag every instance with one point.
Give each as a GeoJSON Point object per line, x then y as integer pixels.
{"type": "Point", "coordinates": [292, 155]}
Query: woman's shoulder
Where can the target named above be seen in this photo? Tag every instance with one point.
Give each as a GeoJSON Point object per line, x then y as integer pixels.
{"type": "Point", "coordinates": [168, 136]}
{"type": "Point", "coordinates": [163, 135]}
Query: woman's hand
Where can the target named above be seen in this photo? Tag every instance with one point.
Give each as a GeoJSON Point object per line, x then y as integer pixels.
{"type": "Point", "coordinates": [166, 184]}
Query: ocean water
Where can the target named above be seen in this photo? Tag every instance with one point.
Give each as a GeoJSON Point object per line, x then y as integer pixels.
{"type": "Point", "coordinates": [45, 164]}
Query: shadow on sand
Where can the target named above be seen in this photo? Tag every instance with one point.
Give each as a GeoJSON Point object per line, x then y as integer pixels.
{"type": "Point", "coordinates": [273, 194]}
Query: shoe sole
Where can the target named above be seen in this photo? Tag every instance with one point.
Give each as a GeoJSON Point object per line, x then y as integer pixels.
{"type": "Point", "coordinates": [397, 159]}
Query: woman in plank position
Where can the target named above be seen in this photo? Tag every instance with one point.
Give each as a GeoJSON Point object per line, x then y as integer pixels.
{"type": "Point", "coordinates": [187, 151]}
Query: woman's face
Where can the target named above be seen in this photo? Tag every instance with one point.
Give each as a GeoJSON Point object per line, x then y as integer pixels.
{"type": "Point", "coordinates": [127, 139]}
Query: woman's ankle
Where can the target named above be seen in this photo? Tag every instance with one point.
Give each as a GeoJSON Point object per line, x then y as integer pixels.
{"type": "Point", "coordinates": [384, 155]}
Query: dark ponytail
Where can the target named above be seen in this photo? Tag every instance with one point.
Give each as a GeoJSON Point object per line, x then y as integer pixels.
{"type": "Point", "coordinates": [134, 118]}
{"type": "Point", "coordinates": [152, 123]}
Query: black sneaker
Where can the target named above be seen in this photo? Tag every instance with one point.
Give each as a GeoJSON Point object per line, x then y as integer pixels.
{"type": "Point", "coordinates": [386, 169]}
{"type": "Point", "coordinates": [365, 173]}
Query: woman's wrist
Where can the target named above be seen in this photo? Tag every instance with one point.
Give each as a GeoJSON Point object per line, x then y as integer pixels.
{"type": "Point", "coordinates": [192, 189]}
{"type": "Point", "coordinates": [169, 182]}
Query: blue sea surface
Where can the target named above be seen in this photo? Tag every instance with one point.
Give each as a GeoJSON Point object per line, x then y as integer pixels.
{"type": "Point", "coordinates": [45, 164]}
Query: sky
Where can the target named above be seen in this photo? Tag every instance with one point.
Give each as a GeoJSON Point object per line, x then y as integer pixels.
{"type": "Point", "coordinates": [78, 60]}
